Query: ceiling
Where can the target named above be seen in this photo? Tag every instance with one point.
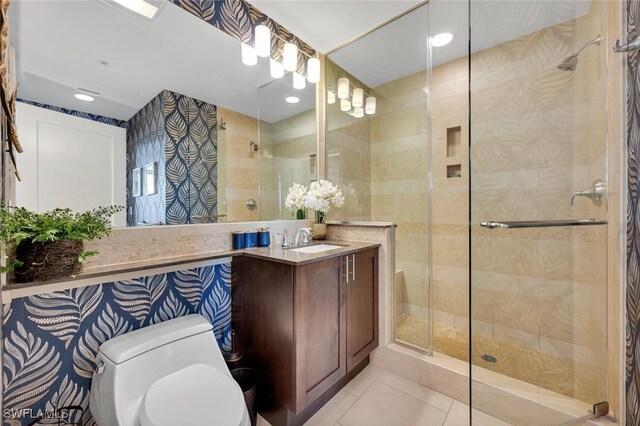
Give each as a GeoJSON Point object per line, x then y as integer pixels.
{"type": "Point", "coordinates": [400, 47]}
{"type": "Point", "coordinates": [59, 46]}
{"type": "Point", "coordinates": [328, 24]}
{"type": "Point", "coordinates": [180, 52]}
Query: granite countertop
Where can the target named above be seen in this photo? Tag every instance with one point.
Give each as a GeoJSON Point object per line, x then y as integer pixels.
{"type": "Point", "coordinates": [276, 254]}
{"type": "Point", "coordinates": [291, 257]}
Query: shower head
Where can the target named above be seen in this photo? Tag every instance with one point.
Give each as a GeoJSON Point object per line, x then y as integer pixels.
{"type": "Point", "coordinates": [571, 62]}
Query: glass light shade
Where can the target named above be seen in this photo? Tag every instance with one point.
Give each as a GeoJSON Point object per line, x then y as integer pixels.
{"type": "Point", "coordinates": [331, 97]}
{"type": "Point", "coordinates": [298, 81]}
{"type": "Point", "coordinates": [313, 70]}
{"type": "Point", "coordinates": [358, 112]}
{"type": "Point", "coordinates": [345, 105]}
{"type": "Point", "coordinates": [343, 88]}
{"type": "Point", "coordinates": [249, 56]}
{"type": "Point", "coordinates": [263, 41]}
{"type": "Point", "coordinates": [370, 106]}
{"type": "Point", "coordinates": [290, 57]}
{"type": "Point", "coordinates": [276, 69]}
{"type": "Point", "coordinates": [357, 97]}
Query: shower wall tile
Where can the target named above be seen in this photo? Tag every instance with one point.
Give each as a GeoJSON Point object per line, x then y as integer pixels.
{"type": "Point", "coordinates": [241, 164]}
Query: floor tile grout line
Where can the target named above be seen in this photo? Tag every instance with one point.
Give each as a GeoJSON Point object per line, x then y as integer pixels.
{"type": "Point", "coordinates": [349, 407]}
{"type": "Point", "coordinates": [431, 390]}
{"type": "Point", "coordinates": [417, 399]}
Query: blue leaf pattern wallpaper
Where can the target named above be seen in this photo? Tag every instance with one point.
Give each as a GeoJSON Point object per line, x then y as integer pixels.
{"type": "Point", "coordinates": [85, 115]}
{"type": "Point", "coordinates": [632, 366]}
{"type": "Point", "coordinates": [180, 134]}
{"type": "Point", "coordinates": [51, 339]}
{"type": "Point", "coordinates": [145, 144]}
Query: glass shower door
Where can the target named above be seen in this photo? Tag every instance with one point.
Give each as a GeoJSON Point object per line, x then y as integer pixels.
{"type": "Point", "coordinates": [538, 246]}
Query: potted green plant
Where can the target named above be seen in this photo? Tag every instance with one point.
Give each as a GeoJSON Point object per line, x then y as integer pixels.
{"type": "Point", "coordinates": [45, 246]}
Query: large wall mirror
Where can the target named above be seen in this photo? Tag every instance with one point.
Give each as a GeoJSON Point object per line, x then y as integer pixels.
{"type": "Point", "coordinates": [159, 115]}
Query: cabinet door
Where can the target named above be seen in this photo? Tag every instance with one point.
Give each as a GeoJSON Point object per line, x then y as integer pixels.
{"type": "Point", "coordinates": [362, 306]}
{"type": "Point", "coordinates": [320, 329]}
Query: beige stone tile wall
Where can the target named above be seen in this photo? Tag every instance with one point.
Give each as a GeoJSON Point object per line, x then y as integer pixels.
{"type": "Point", "coordinates": [287, 156]}
{"type": "Point", "coordinates": [399, 171]}
{"type": "Point", "coordinates": [348, 148]}
{"type": "Point", "coordinates": [538, 134]}
{"type": "Point", "coordinates": [241, 164]}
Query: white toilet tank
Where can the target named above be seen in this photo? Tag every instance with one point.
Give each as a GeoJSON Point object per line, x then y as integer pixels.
{"type": "Point", "coordinates": [127, 365]}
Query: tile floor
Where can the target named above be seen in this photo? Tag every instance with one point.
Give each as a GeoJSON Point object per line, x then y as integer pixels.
{"type": "Point", "coordinates": [378, 397]}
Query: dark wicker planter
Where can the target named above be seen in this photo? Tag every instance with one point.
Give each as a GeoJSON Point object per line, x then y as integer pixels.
{"type": "Point", "coordinates": [48, 261]}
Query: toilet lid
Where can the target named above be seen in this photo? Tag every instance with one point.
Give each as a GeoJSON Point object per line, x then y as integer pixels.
{"type": "Point", "coordinates": [196, 395]}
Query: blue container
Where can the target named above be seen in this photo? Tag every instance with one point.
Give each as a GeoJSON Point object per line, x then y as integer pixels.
{"type": "Point", "coordinates": [250, 239]}
{"type": "Point", "coordinates": [237, 241]}
{"type": "Point", "coordinates": [264, 239]}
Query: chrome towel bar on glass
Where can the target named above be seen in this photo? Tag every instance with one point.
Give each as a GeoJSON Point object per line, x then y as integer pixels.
{"type": "Point", "coordinates": [542, 223]}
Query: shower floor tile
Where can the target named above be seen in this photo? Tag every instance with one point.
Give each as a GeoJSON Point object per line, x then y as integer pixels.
{"type": "Point", "coordinates": [562, 375]}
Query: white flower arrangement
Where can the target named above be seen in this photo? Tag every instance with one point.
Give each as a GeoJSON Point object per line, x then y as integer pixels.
{"type": "Point", "coordinates": [320, 196]}
{"type": "Point", "coordinates": [296, 198]}
{"type": "Point", "coordinates": [323, 195]}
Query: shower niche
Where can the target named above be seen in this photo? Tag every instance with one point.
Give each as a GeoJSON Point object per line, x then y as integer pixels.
{"type": "Point", "coordinates": [454, 148]}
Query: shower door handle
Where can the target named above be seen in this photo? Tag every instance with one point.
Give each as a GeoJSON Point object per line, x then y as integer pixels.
{"type": "Point", "coordinates": [490, 224]}
{"type": "Point", "coordinates": [622, 48]}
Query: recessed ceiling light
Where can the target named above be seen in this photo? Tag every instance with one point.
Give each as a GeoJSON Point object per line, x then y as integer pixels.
{"type": "Point", "coordinates": [84, 97]}
{"type": "Point", "coordinates": [441, 39]}
{"type": "Point", "coordinates": [292, 99]}
{"type": "Point", "coordinates": [140, 7]}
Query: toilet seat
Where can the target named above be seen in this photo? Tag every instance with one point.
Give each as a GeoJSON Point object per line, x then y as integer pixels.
{"type": "Point", "coordinates": [196, 395]}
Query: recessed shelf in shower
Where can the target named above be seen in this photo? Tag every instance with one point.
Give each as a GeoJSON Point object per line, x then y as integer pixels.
{"type": "Point", "coordinates": [454, 148]}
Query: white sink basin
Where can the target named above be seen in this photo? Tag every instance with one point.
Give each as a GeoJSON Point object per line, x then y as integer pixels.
{"type": "Point", "coordinates": [318, 248]}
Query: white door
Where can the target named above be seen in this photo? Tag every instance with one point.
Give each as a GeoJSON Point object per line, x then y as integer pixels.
{"type": "Point", "coordinates": [69, 162]}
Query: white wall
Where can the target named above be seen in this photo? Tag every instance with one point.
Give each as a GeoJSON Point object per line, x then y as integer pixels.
{"type": "Point", "coordinates": [69, 162]}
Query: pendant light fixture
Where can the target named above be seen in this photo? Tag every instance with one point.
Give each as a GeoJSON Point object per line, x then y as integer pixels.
{"type": "Point", "coordinates": [370, 105]}
{"type": "Point", "coordinates": [298, 81]}
{"type": "Point", "coordinates": [343, 88]}
{"type": "Point", "coordinates": [313, 70]}
{"type": "Point", "coordinates": [357, 97]}
{"type": "Point", "coordinates": [249, 56]}
{"type": "Point", "coordinates": [345, 105]}
{"type": "Point", "coordinates": [263, 41]}
{"type": "Point", "coordinates": [276, 69]}
{"type": "Point", "coordinates": [331, 97]}
{"type": "Point", "coordinates": [290, 57]}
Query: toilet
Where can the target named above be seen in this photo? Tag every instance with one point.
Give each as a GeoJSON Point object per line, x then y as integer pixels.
{"type": "Point", "coordinates": [171, 373]}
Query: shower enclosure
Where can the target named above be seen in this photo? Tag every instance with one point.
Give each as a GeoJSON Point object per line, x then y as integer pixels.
{"type": "Point", "coordinates": [493, 155]}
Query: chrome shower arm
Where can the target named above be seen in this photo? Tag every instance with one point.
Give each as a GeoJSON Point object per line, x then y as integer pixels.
{"type": "Point", "coordinates": [595, 41]}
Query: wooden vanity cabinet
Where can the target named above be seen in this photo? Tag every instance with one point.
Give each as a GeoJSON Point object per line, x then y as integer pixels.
{"type": "Point", "coordinates": [306, 326]}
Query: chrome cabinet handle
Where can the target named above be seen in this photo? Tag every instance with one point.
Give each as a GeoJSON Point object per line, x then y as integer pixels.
{"type": "Point", "coordinates": [622, 48]}
{"type": "Point", "coordinates": [353, 265]}
{"type": "Point", "coordinates": [346, 261]}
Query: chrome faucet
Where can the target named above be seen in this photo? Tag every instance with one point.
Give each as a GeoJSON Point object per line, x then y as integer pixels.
{"type": "Point", "coordinates": [595, 193]}
{"type": "Point", "coordinates": [306, 239]}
